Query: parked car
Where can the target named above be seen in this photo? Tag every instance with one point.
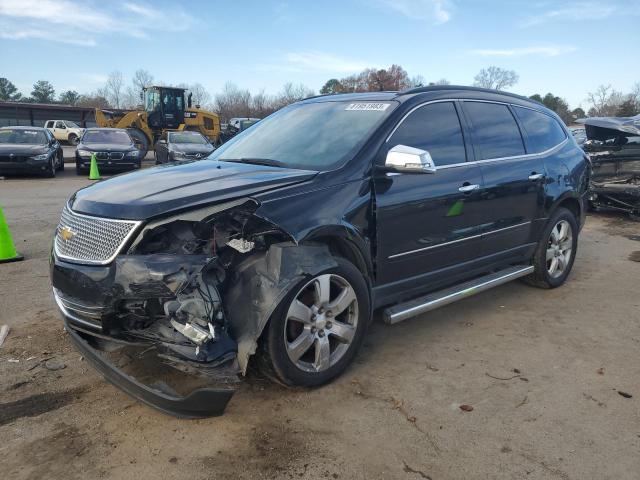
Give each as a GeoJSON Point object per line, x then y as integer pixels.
{"type": "Point", "coordinates": [65, 130]}
{"type": "Point", "coordinates": [182, 146]}
{"type": "Point", "coordinates": [285, 239]}
{"type": "Point", "coordinates": [236, 126]}
{"type": "Point", "coordinates": [613, 144]}
{"type": "Point", "coordinates": [113, 147]}
{"type": "Point", "coordinates": [29, 150]}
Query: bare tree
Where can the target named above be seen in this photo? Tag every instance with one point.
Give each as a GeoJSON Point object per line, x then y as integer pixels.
{"type": "Point", "coordinates": [200, 96]}
{"type": "Point", "coordinates": [604, 101]}
{"type": "Point", "coordinates": [114, 89]}
{"type": "Point", "coordinates": [141, 79]}
{"type": "Point", "coordinates": [496, 78]}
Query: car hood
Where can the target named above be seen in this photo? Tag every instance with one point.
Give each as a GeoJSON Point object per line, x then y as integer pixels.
{"type": "Point", "coordinates": [168, 188]}
{"type": "Point", "coordinates": [191, 148]}
{"type": "Point", "coordinates": [20, 149]}
{"type": "Point", "coordinates": [106, 147]}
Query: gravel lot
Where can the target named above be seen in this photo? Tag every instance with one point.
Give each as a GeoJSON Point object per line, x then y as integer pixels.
{"type": "Point", "coordinates": [543, 371]}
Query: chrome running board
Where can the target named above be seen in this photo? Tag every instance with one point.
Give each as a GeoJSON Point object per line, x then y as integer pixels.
{"type": "Point", "coordinates": [434, 300]}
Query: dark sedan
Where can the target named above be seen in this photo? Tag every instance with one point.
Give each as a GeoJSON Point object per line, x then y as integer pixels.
{"type": "Point", "coordinates": [182, 146]}
{"type": "Point", "coordinates": [113, 147]}
{"type": "Point", "coordinates": [29, 150]}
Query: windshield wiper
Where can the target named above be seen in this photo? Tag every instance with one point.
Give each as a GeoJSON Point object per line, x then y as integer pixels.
{"type": "Point", "coordinates": [256, 161]}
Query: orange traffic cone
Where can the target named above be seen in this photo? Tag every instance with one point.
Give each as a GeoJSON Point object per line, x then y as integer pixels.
{"type": "Point", "coordinates": [7, 249]}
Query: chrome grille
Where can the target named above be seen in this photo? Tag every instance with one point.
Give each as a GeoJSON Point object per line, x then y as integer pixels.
{"type": "Point", "coordinates": [92, 240]}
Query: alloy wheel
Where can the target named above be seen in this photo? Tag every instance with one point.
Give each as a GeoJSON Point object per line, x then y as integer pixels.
{"type": "Point", "coordinates": [559, 248]}
{"type": "Point", "coordinates": [321, 323]}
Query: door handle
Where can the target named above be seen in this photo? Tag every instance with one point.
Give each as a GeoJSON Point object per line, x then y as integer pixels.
{"type": "Point", "coordinates": [468, 188]}
{"type": "Point", "coordinates": [536, 176]}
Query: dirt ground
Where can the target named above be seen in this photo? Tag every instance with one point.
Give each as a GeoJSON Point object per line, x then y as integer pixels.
{"type": "Point", "coordinates": [543, 371]}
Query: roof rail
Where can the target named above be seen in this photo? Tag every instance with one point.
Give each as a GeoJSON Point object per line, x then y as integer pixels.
{"type": "Point", "coordinates": [435, 88]}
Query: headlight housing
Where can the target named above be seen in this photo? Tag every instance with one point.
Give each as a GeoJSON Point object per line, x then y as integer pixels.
{"type": "Point", "coordinates": [134, 153]}
{"type": "Point", "coordinates": [84, 153]}
{"type": "Point", "coordinates": [42, 156]}
{"type": "Point", "coordinates": [175, 154]}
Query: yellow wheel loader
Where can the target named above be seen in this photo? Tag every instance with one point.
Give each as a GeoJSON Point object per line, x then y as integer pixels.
{"type": "Point", "coordinates": [163, 109]}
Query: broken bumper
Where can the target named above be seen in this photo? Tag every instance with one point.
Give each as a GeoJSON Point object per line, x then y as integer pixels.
{"type": "Point", "coordinates": [201, 403]}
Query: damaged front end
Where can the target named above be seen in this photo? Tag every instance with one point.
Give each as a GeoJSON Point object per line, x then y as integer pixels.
{"type": "Point", "coordinates": [613, 145]}
{"type": "Point", "coordinates": [193, 290]}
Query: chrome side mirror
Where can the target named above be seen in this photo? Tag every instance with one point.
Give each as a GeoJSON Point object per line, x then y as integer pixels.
{"type": "Point", "coordinates": [402, 158]}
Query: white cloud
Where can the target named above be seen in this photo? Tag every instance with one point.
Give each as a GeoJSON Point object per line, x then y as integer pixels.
{"type": "Point", "coordinates": [82, 22]}
{"type": "Point", "coordinates": [434, 11]}
{"type": "Point", "coordinates": [582, 11]}
{"type": "Point", "coordinates": [546, 51]}
{"type": "Point", "coordinates": [324, 62]}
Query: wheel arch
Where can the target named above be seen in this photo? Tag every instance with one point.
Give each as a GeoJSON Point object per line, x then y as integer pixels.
{"type": "Point", "coordinates": [345, 243]}
{"type": "Point", "coordinates": [572, 202]}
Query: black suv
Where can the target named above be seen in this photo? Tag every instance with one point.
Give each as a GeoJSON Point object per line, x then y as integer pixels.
{"type": "Point", "coordinates": [284, 240]}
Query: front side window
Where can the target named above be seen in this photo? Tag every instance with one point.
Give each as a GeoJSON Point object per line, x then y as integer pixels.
{"type": "Point", "coordinates": [435, 128]}
{"type": "Point", "coordinates": [543, 132]}
{"type": "Point", "coordinates": [71, 124]}
{"type": "Point", "coordinates": [495, 131]}
{"type": "Point", "coordinates": [315, 136]}
{"type": "Point", "coordinates": [60, 125]}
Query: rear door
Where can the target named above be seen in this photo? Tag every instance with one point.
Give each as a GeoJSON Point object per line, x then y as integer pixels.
{"type": "Point", "coordinates": [513, 197]}
{"type": "Point", "coordinates": [427, 222]}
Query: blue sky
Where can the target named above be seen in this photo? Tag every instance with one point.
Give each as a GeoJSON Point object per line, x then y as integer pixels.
{"type": "Point", "coordinates": [555, 46]}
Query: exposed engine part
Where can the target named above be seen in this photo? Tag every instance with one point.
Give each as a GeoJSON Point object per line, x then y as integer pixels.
{"type": "Point", "coordinates": [193, 332]}
{"type": "Point", "coordinates": [241, 245]}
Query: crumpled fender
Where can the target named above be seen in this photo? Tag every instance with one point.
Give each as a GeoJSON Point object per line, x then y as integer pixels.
{"type": "Point", "coordinates": [261, 282]}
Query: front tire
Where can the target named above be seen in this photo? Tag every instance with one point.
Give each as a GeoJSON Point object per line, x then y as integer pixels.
{"type": "Point", "coordinates": [140, 140]}
{"type": "Point", "coordinates": [556, 251]}
{"type": "Point", "coordinates": [61, 163]}
{"type": "Point", "coordinates": [73, 139]}
{"type": "Point", "coordinates": [316, 331]}
{"type": "Point", "coordinates": [50, 171]}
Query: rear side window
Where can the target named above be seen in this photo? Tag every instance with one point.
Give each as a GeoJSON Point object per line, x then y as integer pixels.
{"type": "Point", "coordinates": [435, 128]}
{"type": "Point", "coordinates": [495, 131]}
{"type": "Point", "coordinates": [543, 131]}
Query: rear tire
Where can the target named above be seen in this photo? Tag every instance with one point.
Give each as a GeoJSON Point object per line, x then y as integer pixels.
{"type": "Point", "coordinates": [73, 139]}
{"type": "Point", "coordinates": [556, 251]}
{"type": "Point", "coordinates": [315, 350]}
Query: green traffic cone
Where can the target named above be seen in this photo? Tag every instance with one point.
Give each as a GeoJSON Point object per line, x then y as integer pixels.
{"type": "Point", "coordinates": [94, 174]}
{"type": "Point", "coordinates": [7, 249]}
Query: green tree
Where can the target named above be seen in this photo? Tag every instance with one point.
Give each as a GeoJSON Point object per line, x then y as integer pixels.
{"type": "Point", "coordinates": [43, 92]}
{"type": "Point", "coordinates": [70, 97]}
{"type": "Point", "coordinates": [536, 98]}
{"type": "Point", "coordinates": [332, 86]}
{"type": "Point", "coordinates": [8, 91]}
{"type": "Point", "coordinates": [578, 113]}
{"type": "Point", "coordinates": [557, 104]}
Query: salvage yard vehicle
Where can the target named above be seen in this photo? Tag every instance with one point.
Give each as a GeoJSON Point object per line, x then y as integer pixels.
{"type": "Point", "coordinates": [163, 109]}
{"type": "Point", "coordinates": [65, 130]}
{"type": "Point", "coordinates": [113, 147]}
{"type": "Point", "coordinates": [29, 150]}
{"type": "Point", "coordinates": [181, 146]}
{"type": "Point", "coordinates": [279, 245]}
{"type": "Point", "coordinates": [613, 146]}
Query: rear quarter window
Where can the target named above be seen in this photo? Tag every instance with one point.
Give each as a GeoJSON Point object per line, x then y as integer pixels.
{"type": "Point", "coordinates": [495, 131]}
{"type": "Point", "coordinates": [543, 132]}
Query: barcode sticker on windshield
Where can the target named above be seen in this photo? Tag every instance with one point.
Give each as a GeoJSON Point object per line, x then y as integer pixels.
{"type": "Point", "coordinates": [376, 107]}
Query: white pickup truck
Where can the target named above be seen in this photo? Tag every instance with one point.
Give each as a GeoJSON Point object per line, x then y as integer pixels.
{"type": "Point", "coordinates": [65, 130]}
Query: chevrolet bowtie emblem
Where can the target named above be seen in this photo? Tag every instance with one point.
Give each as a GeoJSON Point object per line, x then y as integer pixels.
{"type": "Point", "coordinates": [67, 234]}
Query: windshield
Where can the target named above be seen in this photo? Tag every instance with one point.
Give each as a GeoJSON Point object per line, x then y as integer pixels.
{"type": "Point", "coordinates": [71, 124]}
{"type": "Point", "coordinates": [23, 137]}
{"type": "Point", "coordinates": [313, 136]}
{"type": "Point", "coordinates": [106, 136]}
{"type": "Point", "coordinates": [187, 137]}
